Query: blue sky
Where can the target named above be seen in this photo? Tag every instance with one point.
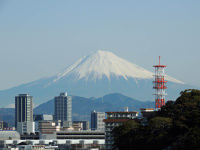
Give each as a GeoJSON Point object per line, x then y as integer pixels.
{"type": "Point", "coordinates": [40, 38]}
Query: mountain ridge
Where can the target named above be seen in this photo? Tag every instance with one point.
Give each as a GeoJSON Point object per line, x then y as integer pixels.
{"type": "Point", "coordinates": [82, 107]}
{"type": "Point", "coordinates": [100, 63]}
{"type": "Point", "coordinates": [112, 75]}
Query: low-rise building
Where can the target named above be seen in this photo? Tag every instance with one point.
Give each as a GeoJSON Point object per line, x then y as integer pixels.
{"type": "Point", "coordinates": [54, 144]}
{"type": "Point", "coordinates": [77, 126]}
{"type": "Point", "coordinates": [9, 135]}
{"type": "Point", "coordinates": [41, 117]}
{"type": "Point", "coordinates": [147, 112]}
{"type": "Point", "coordinates": [84, 124]}
{"type": "Point", "coordinates": [26, 127]}
{"type": "Point", "coordinates": [47, 129]}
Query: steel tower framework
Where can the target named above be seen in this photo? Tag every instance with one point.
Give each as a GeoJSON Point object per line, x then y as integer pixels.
{"type": "Point", "coordinates": [159, 85]}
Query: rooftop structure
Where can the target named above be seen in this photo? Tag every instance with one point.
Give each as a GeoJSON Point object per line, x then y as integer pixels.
{"type": "Point", "coordinates": [40, 117]}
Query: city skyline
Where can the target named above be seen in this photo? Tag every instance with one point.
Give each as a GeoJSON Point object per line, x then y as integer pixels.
{"type": "Point", "coordinates": [36, 33]}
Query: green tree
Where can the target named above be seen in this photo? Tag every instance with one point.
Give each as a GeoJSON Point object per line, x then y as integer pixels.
{"type": "Point", "coordinates": [176, 126]}
{"type": "Point", "coordinates": [122, 138]}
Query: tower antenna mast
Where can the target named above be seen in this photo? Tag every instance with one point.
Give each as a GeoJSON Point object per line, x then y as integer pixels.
{"type": "Point", "coordinates": [159, 85]}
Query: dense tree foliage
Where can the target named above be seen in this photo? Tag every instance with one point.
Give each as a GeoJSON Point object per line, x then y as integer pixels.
{"type": "Point", "coordinates": [175, 127]}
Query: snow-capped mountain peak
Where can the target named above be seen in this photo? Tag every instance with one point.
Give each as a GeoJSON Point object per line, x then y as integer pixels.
{"type": "Point", "coordinates": [97, 74]}
{"type": "Point", "coordinates": [105, 63]}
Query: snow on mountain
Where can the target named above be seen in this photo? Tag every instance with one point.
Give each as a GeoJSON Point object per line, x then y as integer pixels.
{"type": "Point", "coordinates": [97, 74]}
{"type": "Point", "coordinates": [104, 63]}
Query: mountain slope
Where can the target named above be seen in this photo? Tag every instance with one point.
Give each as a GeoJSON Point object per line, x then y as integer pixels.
{"type": "Point", "coordinates": [97, 74]}
{"type": "Point", "coordinates": [8, 115]}
{"type": "Point", "coordinates": [104, 63]}
{"type": "Point", "coordinates": [82, 107]}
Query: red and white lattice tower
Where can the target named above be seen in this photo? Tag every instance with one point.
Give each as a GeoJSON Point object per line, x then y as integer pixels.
{"type": "Point", "coordinates": [159, 85]}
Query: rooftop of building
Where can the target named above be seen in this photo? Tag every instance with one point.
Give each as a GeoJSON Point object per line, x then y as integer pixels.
{"type": "Point", "coordinates": [147, 109]}
{"type": "Point", "coordinates": [6, 135]}
{"type": "Point", "coordinates": [82, 132]}
{"type": "Point", "coordinates": [39, 117]}
{"type": "Point", "coordinates": [115, 120]}
{"type": "Point", "coordinates": [123, 112]}
{"type": "Point", "coordinates": [24, 95]}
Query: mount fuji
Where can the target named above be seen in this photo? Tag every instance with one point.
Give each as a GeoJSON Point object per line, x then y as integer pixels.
{"type": "Point", "coordinates": [95, 75]}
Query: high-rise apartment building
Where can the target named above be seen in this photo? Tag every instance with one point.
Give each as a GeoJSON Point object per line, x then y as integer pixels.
{"type": "Point", "coordinates": [63, 109]}
{"type": "Point", "coordinates": [24, 113]}
{"type": "Point", "coordinates": [97, 120]}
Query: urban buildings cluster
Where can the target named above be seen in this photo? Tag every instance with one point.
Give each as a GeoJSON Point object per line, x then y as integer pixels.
{"type": "Point", "coordinates": [59, 131]}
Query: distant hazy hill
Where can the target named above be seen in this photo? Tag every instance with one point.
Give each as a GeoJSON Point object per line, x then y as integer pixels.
{"type": "Point", "coordinates": [82, 107]}
{"type": "Point", "coordinates": [97, 74]}
{"type": "Point", "coordinates": [8, 115]}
